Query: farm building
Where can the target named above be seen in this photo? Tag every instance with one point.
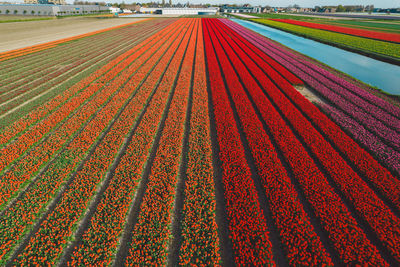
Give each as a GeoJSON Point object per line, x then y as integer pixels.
{"type": "Point", "coordinates": [56, 2]}
{"type": "Point", "coordinates": [240, 9]}
{"type": "Point", "coordinates": [50, 10]}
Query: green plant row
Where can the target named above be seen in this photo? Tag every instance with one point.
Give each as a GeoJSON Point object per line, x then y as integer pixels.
{"type": "Point", "coordinates": [373, 48]}
{"type": "Point", "coordinates": [371, 24]}
{"type": "Point", "coordinates": [21, 20]}
{"type": "Point", "coordinates": [284, 16]}
{"type": "Point", "coordinates": [365, 25]}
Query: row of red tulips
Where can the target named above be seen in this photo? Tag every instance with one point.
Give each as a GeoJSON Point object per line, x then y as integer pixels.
{"type": "Point", "coordinates": [247, 224]}
{"type": "Point", "coordinates": [311, 181]}
{"type": "Point", "coordinates": [353, 187]}
{"type": "Point", "coordinates": [298, 237]}
{"type": "Point", "coordinates": [329, 86]}
{"type": "Point", "coordinates": [366, 164]}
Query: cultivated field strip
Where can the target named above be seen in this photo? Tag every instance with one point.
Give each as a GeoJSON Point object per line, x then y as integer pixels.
{"type": "Point", "coordinates": [190, 145]}
{"type": "Point", "coordinates": [372, 219]}
{"type": "Point", "coordinates": [198, 227]}
{"type": "Point", "coordinates": [82, 88]}
{"type": "Point", "coordinates": [52, 59]}
{"type": "Point", "coordinates": [52, 64]}
{"type": "Point", "coordinates": [151, 232]}
{"type": "Point", "coordinates": [345, 146]}
{"type": "Point", "coordinates": [44, 111]}
{"type": "Point", "coordinates": [31, 49]}
{"type": "Point", "coordinates": [85, 176]}
{"type": "Point", "coordinates": [247, 223]}
{"type": "Point", "coordinates": [357, 121]}
{"type": "Point", "coordinates": [37, 155]}
{"type": "Point", "coordinates": [32, 59]}
{"type": "Point", "coordinates": [65, 69]}
{"type": "Point", "coordinates": [259, 142]}
{"type": "Point", "coordinates": [75, 150]}
{"type": "Point", "coordinates": [118, 195]}
{"type": "Point", "coordinates": [366, 25]}
{"type": "Point", "coordinates": [55, 82]}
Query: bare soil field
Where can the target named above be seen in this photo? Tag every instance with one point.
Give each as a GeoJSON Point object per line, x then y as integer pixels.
{"type": "Point", "coordinates": [22, 34]}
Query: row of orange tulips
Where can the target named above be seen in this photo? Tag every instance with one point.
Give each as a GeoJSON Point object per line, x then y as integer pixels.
{"type": "Point", "coordinates": [58, 226]}
{"type": "Point", "coordinates": [105, 105]}
{"type": "Point", "coordinates": [100, 240]}
{"type": "Point", "coordinates": [151, 233]}
{"type": "Point", "coordinates": [200, 242]}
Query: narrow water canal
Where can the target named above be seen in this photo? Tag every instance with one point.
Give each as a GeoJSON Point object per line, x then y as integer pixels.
{"type": "Point", "coordinates": [374, 72]}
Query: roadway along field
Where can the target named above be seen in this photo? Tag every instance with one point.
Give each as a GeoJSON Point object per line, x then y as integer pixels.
{"type": "Point", "coordinates": [28, 33]}
{"type": "Point", "coordinates": [185, 142]}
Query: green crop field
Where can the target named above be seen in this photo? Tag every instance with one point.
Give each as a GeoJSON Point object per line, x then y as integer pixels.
{"type": "Point", "coordinates": [366, 25]}
{"type": "Point", "coordinates": [16, 18]}
{"type": "Point", "coordinates": [284, 16]}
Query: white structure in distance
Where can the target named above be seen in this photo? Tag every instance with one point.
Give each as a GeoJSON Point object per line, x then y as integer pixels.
{"type": "Point", "coordinates": [179, 11]}
{"type": "Point", "coordinates": [51, 10]}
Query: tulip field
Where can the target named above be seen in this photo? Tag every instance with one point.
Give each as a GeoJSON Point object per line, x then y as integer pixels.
{"type": "Point", "coordinates": [184, 141]}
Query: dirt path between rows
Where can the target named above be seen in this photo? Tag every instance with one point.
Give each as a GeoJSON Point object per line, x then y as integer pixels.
{"type": "Point", "coordinates": [16, 35]}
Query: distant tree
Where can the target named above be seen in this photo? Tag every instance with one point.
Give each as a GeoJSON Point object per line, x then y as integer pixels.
{"type": "Point", "coordinates": [340, 8]}
{"type": "Point", "coordinates": [33, 12]}
{"type": "Point", "coordinates": [7, 11]}
{"type": "Point", "coordinates": [25, 12]}
{"type": "Point", "coordinates": [15, 11]}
